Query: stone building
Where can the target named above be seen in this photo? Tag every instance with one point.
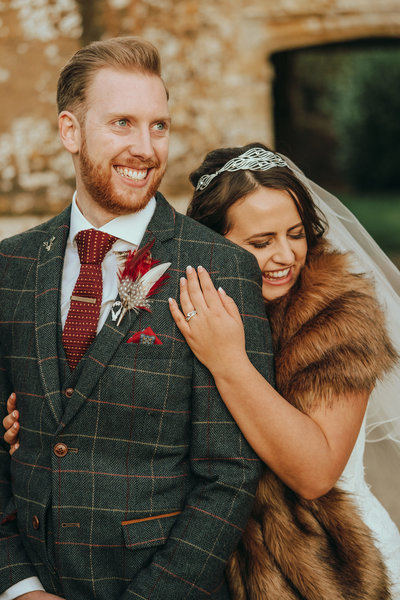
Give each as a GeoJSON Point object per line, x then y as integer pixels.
{"type": "Point", "coordinates": [215, 61]}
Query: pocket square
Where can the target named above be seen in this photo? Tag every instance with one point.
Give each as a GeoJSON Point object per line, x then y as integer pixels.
{"type": "Point", "coordinates": [146, 336]}
{"type": "Point", "coordinates": [11, 517]}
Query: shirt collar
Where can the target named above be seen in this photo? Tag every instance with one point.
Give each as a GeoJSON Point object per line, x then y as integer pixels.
{"type": "Point", "coordinates": [129, 228]}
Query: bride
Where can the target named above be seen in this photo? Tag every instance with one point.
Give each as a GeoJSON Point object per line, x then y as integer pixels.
{"type": "Point", "coordinates": [330, 348]}
{"type": "Point", "coordinates": [316, 531]}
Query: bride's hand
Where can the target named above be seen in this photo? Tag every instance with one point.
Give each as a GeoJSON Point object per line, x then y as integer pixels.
{"type": "Point", "coordinates": [215, 333]}
{"type": "Point", "coordinates": [11, 424]}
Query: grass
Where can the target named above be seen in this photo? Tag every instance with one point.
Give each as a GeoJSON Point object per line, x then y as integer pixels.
{"type": "Point", "coordinates": [380, 215]}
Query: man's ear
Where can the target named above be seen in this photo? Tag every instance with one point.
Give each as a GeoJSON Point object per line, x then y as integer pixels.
{"type": "Point", "coordinates": [70, 131]}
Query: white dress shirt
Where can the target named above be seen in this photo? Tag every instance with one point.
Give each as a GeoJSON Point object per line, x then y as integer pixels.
{"type": "Point", "coordinates": [129, 229]}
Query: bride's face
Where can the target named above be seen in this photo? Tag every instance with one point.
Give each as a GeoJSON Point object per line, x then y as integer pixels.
{"type": "Point", "coordinates": [267, 224]}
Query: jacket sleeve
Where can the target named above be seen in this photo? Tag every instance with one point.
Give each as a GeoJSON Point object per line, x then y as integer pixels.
{"type": "Point", "coordinates": [14, 563]}
{"type": "Point", "coordinates": [191, 563]}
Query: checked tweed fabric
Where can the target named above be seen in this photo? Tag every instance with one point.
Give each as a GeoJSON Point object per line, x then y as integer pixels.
{"type": "Point", "coordinates": [81, 324]}
{"type": "Point", "coordinates": [154, 482]}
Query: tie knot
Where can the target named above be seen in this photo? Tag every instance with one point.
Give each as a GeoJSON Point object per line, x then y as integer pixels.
{"type": "Point", "coordinates": [93, 245]}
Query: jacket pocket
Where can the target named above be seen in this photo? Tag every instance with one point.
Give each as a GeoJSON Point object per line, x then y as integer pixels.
{"type": "Point", "coordinates": [10, 512]}
{"type": "Point", "coordinates": [148, 532]}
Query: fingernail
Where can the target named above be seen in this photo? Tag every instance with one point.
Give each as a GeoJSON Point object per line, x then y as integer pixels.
{"type": "Point", "coordinates": [15, 426]}
{"type": "Point", "coordinates": [171, 300]}
{"type": "Point", "coordinates": [222, 291]}
{"type": "Point", "coordinates": [189, 269]}
{"type": "Point", "coordinates": [183, 281]}
{"type": "Point", "coordinates": [14, 414]}
{"type": "Point", "coordinates": [200, 269]}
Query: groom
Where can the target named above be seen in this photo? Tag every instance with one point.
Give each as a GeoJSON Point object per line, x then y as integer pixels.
{"type": "Point", "coordinates": [131, 481]}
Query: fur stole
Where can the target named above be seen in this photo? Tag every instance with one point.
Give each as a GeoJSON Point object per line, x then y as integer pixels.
{"type": "Point", "coordinates": [329, 338]}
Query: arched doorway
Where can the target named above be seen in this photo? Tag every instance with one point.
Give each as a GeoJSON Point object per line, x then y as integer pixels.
{"type": "Point", "coordinates": [318, 92]}
{"type": "Point", "coordinates": [310, 121]}
{"type": "Point", "coordinates": [336, 114]}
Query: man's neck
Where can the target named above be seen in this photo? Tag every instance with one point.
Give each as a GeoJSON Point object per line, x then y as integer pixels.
{"type": "Point", "coordinates": [95, 214]}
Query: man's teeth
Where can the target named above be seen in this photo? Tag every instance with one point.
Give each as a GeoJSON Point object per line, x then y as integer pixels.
{"type": "Point", "coordinates": [131, 174]}
{"type": "Point", "coordinates": [277, 274]}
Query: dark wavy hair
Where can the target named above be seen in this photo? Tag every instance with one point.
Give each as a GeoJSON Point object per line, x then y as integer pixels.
{"type": "Point", "coordinates": [210, 206]}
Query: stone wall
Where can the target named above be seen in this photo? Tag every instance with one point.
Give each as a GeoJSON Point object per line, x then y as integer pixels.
{"type": "Point", "coordinates": [216, 65]}
{"type": "Point", "coordinates": [215, 62]}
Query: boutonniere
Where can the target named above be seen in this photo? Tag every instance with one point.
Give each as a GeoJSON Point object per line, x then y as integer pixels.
{"type": "Point", "coordinates": [139, 278]}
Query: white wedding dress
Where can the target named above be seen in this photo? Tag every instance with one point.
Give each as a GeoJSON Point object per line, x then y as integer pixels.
{"type": "Point", "coordinates": [385, 532]}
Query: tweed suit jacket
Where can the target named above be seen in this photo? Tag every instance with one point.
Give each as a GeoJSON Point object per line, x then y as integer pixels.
{"type": "Point", "coordinates": [132, 481]}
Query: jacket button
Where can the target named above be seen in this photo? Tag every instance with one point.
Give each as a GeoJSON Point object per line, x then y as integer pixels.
{"type": "Point", "coordinates": [35, 522]}
{"type": "Point", "coordinates": [69, 392]}
{"type": "Point", "coordinates": [60, 450]}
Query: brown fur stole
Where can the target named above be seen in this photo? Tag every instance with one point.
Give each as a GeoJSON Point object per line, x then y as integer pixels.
{"type": "Point", "coordinates": [329, 339]}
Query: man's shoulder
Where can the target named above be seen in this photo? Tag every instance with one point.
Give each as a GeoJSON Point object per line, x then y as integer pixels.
{"type": "Point", "coordinates": [194, 232]}
{"type": "Point", "coordinates": [204, 246]}
{"type": "Point", "coordinates": [30, 240]}
{"type": "Point", "coordinates": [195, 239]}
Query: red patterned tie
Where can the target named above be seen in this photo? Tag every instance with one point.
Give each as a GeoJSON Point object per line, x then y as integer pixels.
{"type": "Point", "coordinates": [83, 315]}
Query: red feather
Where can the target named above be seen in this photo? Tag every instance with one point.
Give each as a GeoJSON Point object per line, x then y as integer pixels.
{"type": "Point", "coordinates": [138, 274]}
{"type": "Point", "coordinates": [138, 262]}
{"type": "Point", "coordinates": [158, 284]}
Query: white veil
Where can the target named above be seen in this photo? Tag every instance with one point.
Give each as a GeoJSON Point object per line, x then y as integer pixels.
{"type": "Point", "coordinates": [347, 234]}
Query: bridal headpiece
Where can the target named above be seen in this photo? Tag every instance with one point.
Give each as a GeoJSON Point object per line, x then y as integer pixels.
{"type": "Point", "coordinates": [255, 159]}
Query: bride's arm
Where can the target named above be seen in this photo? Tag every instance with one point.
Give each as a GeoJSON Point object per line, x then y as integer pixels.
{"type": "Point", "coordinates": [307, 451]}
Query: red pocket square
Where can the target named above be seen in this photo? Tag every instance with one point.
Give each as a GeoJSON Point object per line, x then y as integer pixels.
{"type": "Point", "coordinates": [146, 336]}
{"type": "Point", "coordinates": [11, 517]}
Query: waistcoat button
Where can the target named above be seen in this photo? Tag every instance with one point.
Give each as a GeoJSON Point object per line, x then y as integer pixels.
{"type": "Point", "coordinates": [35, 522]}
{"type": "Point", "coordinates": [60, 449]}
{"type": "Point", "coordinates": [69, 392]}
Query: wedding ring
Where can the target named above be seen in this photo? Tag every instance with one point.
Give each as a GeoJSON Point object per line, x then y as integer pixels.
{"type": "Point", "coordinates": [191, 314]}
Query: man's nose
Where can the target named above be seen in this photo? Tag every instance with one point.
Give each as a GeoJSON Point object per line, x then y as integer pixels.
{"type": "Point", "coordinates": [140, 144]}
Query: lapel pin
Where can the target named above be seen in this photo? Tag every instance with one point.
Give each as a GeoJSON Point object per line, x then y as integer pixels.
{"type": "Point", "coordinates": [48, 245]}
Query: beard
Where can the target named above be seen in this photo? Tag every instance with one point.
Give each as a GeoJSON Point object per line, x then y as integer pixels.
{"type": "Point", "coordinates": [98, 184]}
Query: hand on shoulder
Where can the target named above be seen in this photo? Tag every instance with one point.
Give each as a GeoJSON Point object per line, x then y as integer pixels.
{"type": "Point", "coordinates": [209, 321]}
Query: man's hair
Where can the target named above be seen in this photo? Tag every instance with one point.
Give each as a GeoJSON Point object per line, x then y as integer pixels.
{"type": "Point", "coordinates": [122, 53]}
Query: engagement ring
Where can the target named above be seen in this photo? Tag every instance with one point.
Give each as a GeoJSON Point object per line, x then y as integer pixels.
{"type": "Point", "coordinates": [191, 314]}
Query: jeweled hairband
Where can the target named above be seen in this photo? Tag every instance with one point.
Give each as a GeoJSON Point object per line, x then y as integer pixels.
{"type": "Point", "coordinates": [255, 159]}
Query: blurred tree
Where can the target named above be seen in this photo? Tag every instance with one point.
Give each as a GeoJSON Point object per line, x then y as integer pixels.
{"type": "Point", "coordinates": [336, 113]}
{"type": "Point", "coordinates": [93, 20]}
{"type": "Point", "coordinates": [366, 118]}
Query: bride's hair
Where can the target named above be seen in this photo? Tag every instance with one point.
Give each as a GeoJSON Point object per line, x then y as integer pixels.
{"type": "Point", "coordinates": [210, 205]}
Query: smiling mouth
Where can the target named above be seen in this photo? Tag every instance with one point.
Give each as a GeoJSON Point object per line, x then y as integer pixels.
{"type": "Point", "coordinates": [133, 174]}
{"type": "Point", "coordinates": [277, 275]}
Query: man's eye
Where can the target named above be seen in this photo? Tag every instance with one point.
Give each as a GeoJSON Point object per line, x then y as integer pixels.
{"type": "Point", "coordinates": [122, 122]}
{"type": "Point", "coordinates": [160, 126]}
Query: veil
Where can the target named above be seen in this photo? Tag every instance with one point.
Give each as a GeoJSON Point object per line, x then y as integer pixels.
{"type": "Point", "coordinates": [348, 235]}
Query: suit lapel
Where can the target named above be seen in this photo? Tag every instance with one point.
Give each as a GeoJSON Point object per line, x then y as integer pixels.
{"type": "Point", "coordinates": [108, 340]}
{"type": "Point", "coordinates": [47, 309]}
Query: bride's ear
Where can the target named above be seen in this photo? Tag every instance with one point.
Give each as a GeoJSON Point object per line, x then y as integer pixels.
{"type": "Point", "coordinates": [70, 131]}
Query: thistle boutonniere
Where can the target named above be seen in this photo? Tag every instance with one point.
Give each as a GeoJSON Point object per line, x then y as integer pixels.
{"type": "Point", "coordinates": [139, 278]}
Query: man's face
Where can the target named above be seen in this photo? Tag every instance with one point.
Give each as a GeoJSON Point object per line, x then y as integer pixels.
{"type": "Point", "coordinates": [124, 142]}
